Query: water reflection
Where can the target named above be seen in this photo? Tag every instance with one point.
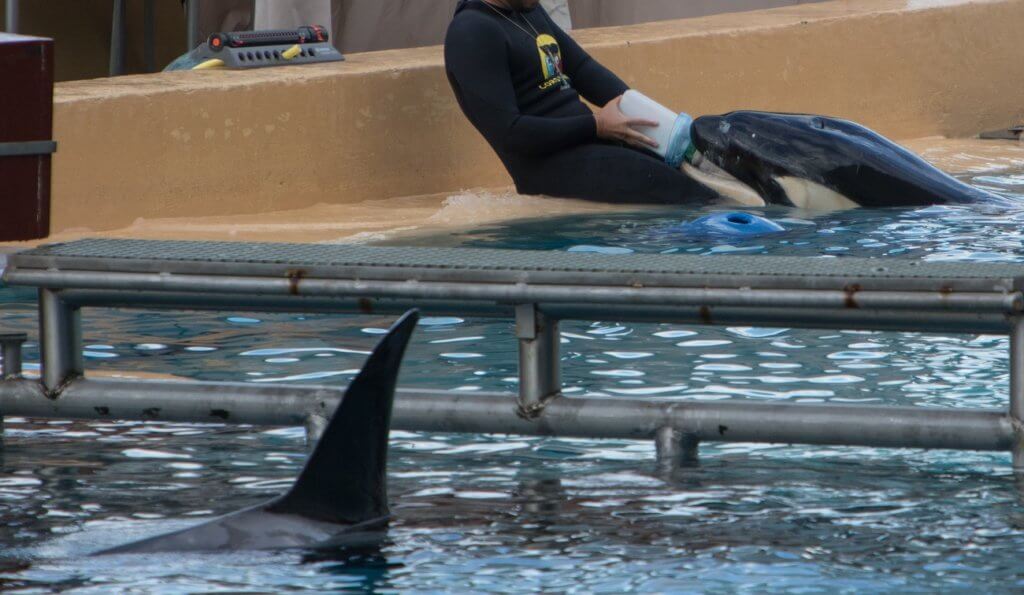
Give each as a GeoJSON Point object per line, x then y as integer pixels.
{"type": "Point", "coordinates": [485, 513]}
{"type": "Point", "coordinates": [363, 569]}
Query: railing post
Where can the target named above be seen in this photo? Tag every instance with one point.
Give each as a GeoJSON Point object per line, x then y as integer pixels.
{"type": "Point", "coordinates": [316, 425]}
{"type": "Point", "coordinates": [675, 448]}
{"type": "Point", "coordinates": [1017, 390]}
{"type": "Point", "coordinates": [118, 37]}
{"type": "Point", "coordinates": [539, 374]}
{"type": "Point", "coordinates": [149, 35]}
{"type": "Point", "coordinates": [192, 24]}
{"type": "Point", "coordinates": [10, 344]}
{"type": "Point", "coordinates": [10, 347]}
{"type": "Point", "coordinates": [12, 15]}
{"type": "Point", "coordinates": [60, 341]}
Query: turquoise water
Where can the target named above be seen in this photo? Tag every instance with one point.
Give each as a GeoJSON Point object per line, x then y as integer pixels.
{"type": "Point", "coordinates": [514, 514]}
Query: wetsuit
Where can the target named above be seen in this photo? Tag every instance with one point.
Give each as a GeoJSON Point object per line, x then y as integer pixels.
{"type": "Point", "coordinates": [522, 92]}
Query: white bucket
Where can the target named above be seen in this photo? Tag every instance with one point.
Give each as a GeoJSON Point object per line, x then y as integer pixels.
{"type": "Point", "coordinates": [672, 132]}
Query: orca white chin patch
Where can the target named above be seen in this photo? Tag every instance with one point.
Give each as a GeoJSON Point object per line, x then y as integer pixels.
{"type": "Point", "coordinates": [722, 182]}
{"type": "Point", "coordinates": [805, 194]}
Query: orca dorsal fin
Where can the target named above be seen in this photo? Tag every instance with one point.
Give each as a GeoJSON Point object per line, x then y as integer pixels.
{"type": "Point", "coordinates": [344, 479]}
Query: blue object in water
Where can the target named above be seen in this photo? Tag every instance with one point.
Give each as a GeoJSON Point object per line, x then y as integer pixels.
{"type": "Point", "coordinates": [733, 224]}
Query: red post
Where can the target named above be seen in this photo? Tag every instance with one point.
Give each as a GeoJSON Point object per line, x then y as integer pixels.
{"type": "Point", "coordinates": [26, 133]}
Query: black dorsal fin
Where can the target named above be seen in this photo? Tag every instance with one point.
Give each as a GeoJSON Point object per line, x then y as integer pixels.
{"type": "Point", "coordinates": [344, 480]}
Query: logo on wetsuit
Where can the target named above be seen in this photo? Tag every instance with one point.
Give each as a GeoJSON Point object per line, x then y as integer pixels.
{"type": "Point", "coordinates": [551, 62]}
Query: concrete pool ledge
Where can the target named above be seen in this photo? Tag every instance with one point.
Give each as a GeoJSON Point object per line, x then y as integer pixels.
{"type": "Point", "coordinates": [411, 217]}
{"type": "Point", "coordinates": [384, 125]}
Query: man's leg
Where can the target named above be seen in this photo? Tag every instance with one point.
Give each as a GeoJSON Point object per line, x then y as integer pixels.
{"type": "Point", "coordinates": [605, 172]}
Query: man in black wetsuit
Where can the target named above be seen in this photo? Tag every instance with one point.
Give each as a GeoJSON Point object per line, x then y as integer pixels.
{"type": "Point", "coordinates": [518, 78]}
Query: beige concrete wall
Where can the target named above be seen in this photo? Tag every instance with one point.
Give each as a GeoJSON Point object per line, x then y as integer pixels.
{"type": "Point", "coordinates": [385, 124]}
{"type": "Point", "coordinates": [365, 25]}
{"type": "Point", "coordinates": [81, 28]}
{"type": "Point", "coordinates": [604, 13]}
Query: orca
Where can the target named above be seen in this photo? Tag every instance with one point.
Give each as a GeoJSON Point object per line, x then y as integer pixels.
{"type": "Point", "coordinates": [339, 498]}
{"type": "Point", "coordinates": [816, 162]}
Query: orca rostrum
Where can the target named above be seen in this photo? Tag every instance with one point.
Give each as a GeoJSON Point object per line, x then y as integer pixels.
{"type": "Point", "coordinates": [341, 493]}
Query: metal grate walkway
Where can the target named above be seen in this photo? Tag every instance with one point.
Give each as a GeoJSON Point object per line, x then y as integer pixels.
{"type": "Point", "coordinates": [466, 265]}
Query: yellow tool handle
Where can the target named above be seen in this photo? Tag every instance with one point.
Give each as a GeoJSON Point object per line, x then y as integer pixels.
{"type": "Point", "coordinates": [214, 63]}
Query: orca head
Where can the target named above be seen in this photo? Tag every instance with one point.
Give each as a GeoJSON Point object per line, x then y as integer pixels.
{"type": "Point", "coordinates": [764, 150]}
{"type": "Point", "coordinates": [823, 163]}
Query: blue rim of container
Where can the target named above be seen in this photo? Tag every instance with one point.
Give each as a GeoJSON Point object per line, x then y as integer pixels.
{"type": "Point", "coordinates": [679, 145]}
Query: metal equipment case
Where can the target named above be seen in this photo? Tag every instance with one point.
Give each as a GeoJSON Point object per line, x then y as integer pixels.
{"type": "Point", "coordinates": [26, 132]}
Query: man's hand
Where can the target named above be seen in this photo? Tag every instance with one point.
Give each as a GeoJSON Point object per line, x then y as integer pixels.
{"type": "Point", "coordinates": [612, 124]}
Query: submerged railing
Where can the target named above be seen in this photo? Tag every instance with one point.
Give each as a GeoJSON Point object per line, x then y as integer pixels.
{"type": "Point", "coordinates": [536, 290]}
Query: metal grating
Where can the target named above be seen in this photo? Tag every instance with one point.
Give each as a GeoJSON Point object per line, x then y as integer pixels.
{"type": "Point", "coordinates": [485, 265]}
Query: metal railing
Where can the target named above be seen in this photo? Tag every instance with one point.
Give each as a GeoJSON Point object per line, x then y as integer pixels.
{"type": "Point", "coordinates": [536, 290]}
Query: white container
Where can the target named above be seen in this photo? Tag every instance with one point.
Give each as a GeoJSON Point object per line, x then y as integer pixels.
{"type": "Point", "coordinates": [672, 132]}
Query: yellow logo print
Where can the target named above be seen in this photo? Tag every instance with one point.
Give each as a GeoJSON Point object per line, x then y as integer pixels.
{"type": "Point", "coordinates": [551, 62]}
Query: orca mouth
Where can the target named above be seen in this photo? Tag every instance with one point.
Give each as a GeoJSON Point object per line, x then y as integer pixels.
{"type": "Point", "coordinates": [701, 161]}
{"type": "Point", "coordinates": [701, 169]}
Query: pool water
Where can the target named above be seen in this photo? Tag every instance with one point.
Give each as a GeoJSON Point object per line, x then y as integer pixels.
{"type": "Point", "coordinates": [514, 514]}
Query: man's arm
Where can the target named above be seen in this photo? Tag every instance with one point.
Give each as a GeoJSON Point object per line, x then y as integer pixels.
{"type": "Point", "coordinates": [476, 58]}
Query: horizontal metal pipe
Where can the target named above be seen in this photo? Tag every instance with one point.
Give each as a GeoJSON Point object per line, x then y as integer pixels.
{"type": "Point", "coordinates": [494, 413]}
{"type": "Point", "coordinates": [861, 319]}
{"type": "Point", "coordinates": [951, 322]}
{"type": "Point", "coordinates": [88, 298]}
{"type": "Point", "coordinates": [721, 421]}
{"type": "Point", "coordinates": [522, 293]}
{"type": "Point", "coordinates": [209, 402]}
